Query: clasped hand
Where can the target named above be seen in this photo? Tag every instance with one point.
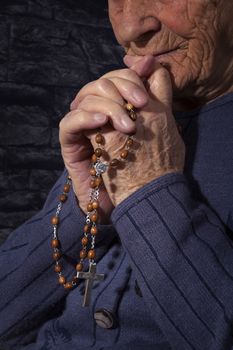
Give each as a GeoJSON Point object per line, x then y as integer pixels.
{"type": "Point", "coordinates": [158, 149]}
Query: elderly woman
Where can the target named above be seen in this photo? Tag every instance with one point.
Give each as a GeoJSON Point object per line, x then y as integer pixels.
{"type": "Point", "coordinates": [144, 232]}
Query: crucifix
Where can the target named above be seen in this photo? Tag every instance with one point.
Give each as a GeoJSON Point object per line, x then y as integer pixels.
{"type": "Point", "coordinates": [90, 277]}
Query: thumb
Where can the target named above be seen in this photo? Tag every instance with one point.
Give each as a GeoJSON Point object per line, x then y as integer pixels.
{"type": "Point", "coordinates": [159, 85]}
{"type": "Point", "coordinates": [155, 77]}
{"type": "Point", "coordinates": [142, 65]}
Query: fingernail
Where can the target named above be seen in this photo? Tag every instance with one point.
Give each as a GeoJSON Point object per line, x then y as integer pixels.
{"type": "Point", "coordinates": [139, 96]}
{"type": "Point", "coordinates": [127, 123]}
{"type": "Point", "coordinates": [72, 105]}
{"type": "Point", "coordinates": [99, 117]}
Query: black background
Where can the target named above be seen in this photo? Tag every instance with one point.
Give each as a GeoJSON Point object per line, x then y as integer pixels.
{"type": "Point", "coordinates": [48, 50]}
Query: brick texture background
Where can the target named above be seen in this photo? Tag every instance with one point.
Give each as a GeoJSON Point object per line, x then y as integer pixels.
{"type": "Point", "coordinates": [48, 50]}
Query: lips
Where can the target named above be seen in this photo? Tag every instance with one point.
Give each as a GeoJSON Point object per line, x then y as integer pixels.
{"type": "Point", "coordinates": [159, 54]}
{"type": "Point", "coordinates": [130, 60]}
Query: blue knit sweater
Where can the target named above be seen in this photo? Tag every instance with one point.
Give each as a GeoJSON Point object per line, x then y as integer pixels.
{"type": "Point", "coordinates": [167, 259]}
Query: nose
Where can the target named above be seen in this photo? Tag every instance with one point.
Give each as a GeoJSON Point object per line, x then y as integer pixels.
{"type": "Point", "coordinates": [132, 21]}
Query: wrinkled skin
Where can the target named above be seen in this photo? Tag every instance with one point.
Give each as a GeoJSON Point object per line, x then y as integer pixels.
{"type": "Point", "coordinates": [158, 148]}
{"type": "Point", "coordinates": [172, 49]}
{"type": "Point", "coordinates": [198, 34]}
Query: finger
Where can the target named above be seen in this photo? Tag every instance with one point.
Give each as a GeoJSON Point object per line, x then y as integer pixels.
{"type": "Point", "coordinates": [125, 74]}
{"type": "Point", "coordinates": [101, 87]}
{"type": "Point", "coordinates": [76, 122]}
{"type": "Point", "coordinates": [133, 93]}
{"type": "Point", "coordinates": [142, 65]}
{"type": "Point", "coordinates": [158, 80]}
{"type": "Point", "coordinates": [116, 89]}
{"type": "Point", "coordinates": [116, 113]}
{"type": "Point", "coordinates": [160, 86]}
{"type": "Point", "coordinates": [130, 60]}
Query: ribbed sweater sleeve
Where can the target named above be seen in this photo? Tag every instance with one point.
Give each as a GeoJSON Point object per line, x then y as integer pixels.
{"type": "Point", "coordinates": [183, 260]}
{"type": "Point", "coordinates": [29, 290]}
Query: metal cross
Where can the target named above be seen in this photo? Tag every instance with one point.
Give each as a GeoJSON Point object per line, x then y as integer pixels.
{"type": "Point", "coordinates": [90, 277]}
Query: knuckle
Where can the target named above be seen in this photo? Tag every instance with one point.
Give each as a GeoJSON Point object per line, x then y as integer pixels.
{"type": "Point", "coordinates": [83, 91]}
{"type": "Point", "coordinates": [63, 122]}
{"type": "Point", "coordinates": [81, 118]}
{"type": "Point", "coordinates": [109, 74]}
{"type": "Point", "coordinates": [131, 74]}
{"type": "Point", "coordinates": [125, 72]}
{"type": "Point", "coordinates": [85, 101]}
{"type": "Point", "coordinates": [85, 87]}
{"type": "Point", "coordinates": [104, 84]}
{"type": "Point", "coordinates": [66, 122]}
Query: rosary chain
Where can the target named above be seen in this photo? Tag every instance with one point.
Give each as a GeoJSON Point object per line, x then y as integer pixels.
{"type": "Point", "coordinates": [90, 230]}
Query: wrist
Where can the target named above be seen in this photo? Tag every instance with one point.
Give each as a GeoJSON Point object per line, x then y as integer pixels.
{"type": "Point", "coordinates": [132, 188]}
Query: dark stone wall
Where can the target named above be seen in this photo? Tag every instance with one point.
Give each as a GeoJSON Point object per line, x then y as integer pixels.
{"type": "Point", "coordinates": [48, 50]}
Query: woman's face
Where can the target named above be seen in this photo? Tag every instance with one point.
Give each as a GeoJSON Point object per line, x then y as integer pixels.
{"type": "Point", "coordinates": [192, 38]}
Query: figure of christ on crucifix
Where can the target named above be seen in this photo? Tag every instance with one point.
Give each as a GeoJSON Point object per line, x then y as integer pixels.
{"type": "Point", "coordinates": [90, 277]}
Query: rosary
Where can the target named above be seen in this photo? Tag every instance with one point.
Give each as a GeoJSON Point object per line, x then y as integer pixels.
{"type": "Point", "coordinates": [90, 230]}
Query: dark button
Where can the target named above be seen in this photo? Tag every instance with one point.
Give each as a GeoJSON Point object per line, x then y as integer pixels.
{"type": "Point", "coordinates": [104, 319]}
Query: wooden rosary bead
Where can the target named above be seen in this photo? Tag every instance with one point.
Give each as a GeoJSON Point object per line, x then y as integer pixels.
{"type": "Point", "coordinates": [79, 267]}
{"type": "Point", "coordinates": [129, 107]}
{"type": "Point", "coordinates": [93, 172]}
{"type": "Point", "coordinates": [129, 142]}
{"type": "Point", "coordinates": [83, 254]}
{"type": "Point", "coordinates": [94, 230]}
{"type": "Point", "coordinates": [55, 220]}
{"type": "Point", "coordinates": [92, 184]}
{"type": "Point", "coordinates": [114, 162]}
{"type": "Point", "coordinates": [98, 152]}
{"type": "Point", "coordinates": [92, 207]}
{"type": "Point", "coordinates": [91, 254]}
{"type": "Point", "coordinates": [98, 181]}
{"type": "Point", "coordinates": [95, 204]}
{"type": "Point", "coordinates": [68, 285]}
{"type": "Point", "coordinates": [133, 115]}
{"type": "Point", "coordinates": [99, 139]}
{"type": "Point", "coordinates": [55, 243]}
{"type": "Point", "coordinates": [63, 198]}
{"type": "Point", "coordinates": [62, 280]}
{"type": "Point", "coordinates": [94, 217]}
{"type": "Point", "coordinates": [94, 158]}
{"type": "Point", "coordinates": [86, 228]}
{"type": "Point", "coordinates": [66, 188]}
{"type": "Point", "coordinates": [89, 207]}
{"type": "Point", "coordinates": [57, 255]}
{"type": "Point", "coordinates": [58, 268]}
{"type": "Point", "coordinates": [124, 154]}
{"type": "Point", "coordinates": [84, 241]}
